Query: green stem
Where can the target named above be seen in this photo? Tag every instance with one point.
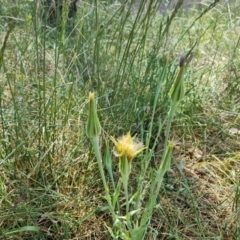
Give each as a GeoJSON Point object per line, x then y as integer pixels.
{"type": "Point", "coordinates": [160, 173]}
{"type": "Point", "coordinates": [125, 186]}
{"type": "Point", "coordinates": [159, 177]}
{"type": "Point", "coordinates": [95, 144]}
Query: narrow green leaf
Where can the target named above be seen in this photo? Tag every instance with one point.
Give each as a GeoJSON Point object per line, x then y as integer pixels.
{"type": "Point", "coordinates": [22, 229]}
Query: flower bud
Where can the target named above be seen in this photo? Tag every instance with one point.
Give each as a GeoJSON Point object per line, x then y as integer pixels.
{"type": "Point", "coordinates": [93, 128]}
{"type": "Point", "coordinates": [176, 92]}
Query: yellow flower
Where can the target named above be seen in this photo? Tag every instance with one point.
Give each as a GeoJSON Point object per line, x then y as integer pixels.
{"type": "Point", "coordinates": [127, 146]}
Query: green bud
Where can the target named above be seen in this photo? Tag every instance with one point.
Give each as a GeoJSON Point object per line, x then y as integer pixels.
{"type": "Point", "coordinates": [93, 128]}
{"type": "Point", "coordinates": [177, 90]}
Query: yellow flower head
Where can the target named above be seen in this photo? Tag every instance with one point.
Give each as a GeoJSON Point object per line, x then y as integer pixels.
{"type": "Point", "coordinates": [127, 146]}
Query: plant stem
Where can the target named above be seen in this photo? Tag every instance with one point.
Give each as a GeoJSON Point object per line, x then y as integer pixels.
{"type": "Point", "coordinates": [125, 186]}
{"type": "Point", "coordinates": [159, 177]}
{"type": "Point", "coordinates": [95, 144]}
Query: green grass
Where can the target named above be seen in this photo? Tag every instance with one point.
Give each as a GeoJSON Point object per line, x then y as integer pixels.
{"type": "Point", "coordinates": [50, 186]}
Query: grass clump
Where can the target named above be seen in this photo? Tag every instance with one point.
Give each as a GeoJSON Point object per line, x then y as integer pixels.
{"type": "Point", "coordinates": [127, 53]}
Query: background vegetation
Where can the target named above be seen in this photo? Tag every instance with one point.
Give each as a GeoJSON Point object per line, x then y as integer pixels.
{"type": "Point", "coordinates": [50, 187]}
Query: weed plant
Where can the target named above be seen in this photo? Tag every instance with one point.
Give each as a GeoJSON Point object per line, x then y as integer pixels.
{"type": "Point", "coordinates": [127, 52]}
